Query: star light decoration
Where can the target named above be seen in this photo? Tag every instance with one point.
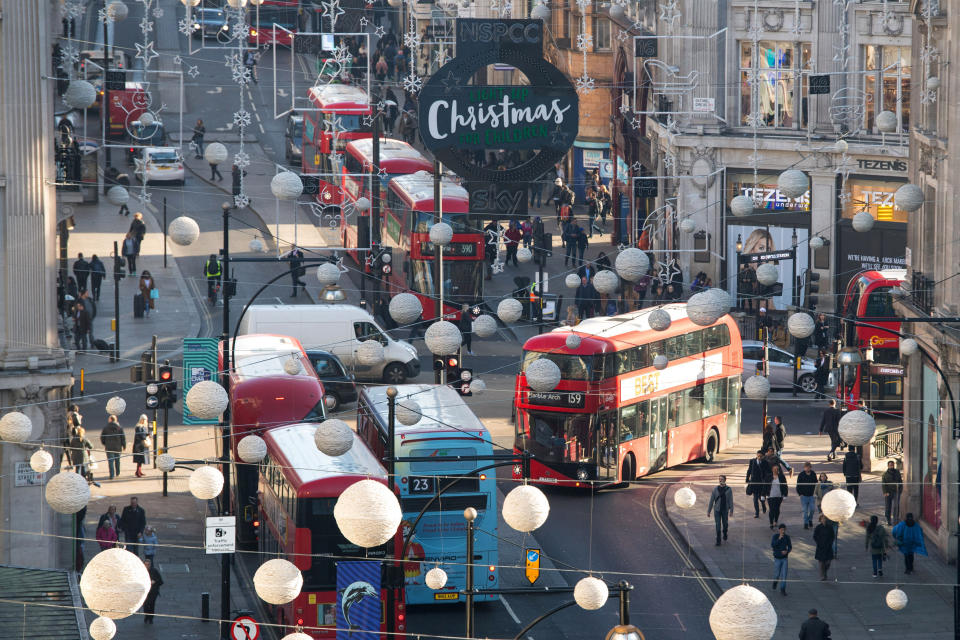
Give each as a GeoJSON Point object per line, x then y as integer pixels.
{"type": "Point", "coordinates": [332, 10]}
{"type": "Point", "coordinates": [193, 71]}
{"type": "Point", "coordinates": [497, 266]}
{"type": "Point", "coordinates": [379, 31]}
{"type": "Point", "coordinates": [667, 271]}
{"type": "Point", "coordinates": [622, 35]}
{"type": "Point", "coordinates": [146, 25]}
{"type": "Point", "coordinates": [363, 21]}
{"type": "Point", "coordinates": [146, 53]}
{"type": "Point", "coordinates": [669, 12]}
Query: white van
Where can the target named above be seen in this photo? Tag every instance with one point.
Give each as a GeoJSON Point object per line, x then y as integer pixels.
{"type": "Point", "coordinates": [339, 329]}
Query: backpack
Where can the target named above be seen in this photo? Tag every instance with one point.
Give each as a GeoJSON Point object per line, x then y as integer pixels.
{"type": "Point", "coordinates": [877, 538]}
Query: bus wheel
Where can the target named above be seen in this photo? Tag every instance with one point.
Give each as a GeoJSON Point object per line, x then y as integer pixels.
{"type": "Point", "coordinates": [712, 445]}
{"type": "Point", "coordinates": [395, 373]}
{"type": "Point", "coordinates": [628, 474]}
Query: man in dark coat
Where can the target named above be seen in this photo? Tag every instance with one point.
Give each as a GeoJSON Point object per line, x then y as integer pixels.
{"type": "Point", "coordinates": [852, 466]}
{"type": "Point", "coordinates": [297, 271]}
{"type": "Point", "coordinates": [814, 628]}
{"type": "Point", "coordinates": [81, 271]}
{"type": "Point", "coordinates": [823, 537]}
{"type": "Point", "coordinates": [133, 520]}
{"type": "Point", "coordinates": [114, 442]}
{"type": "Point", "coordinates": [830, 424]}
{"type": "Point", "coordinates": [97, 273]}
{"type": "Point", "coordinates": [156, 581]}
{"type": "Point", "coordinates": [758, 475]}
{"type": "Point", "coordinates": [587, 299]}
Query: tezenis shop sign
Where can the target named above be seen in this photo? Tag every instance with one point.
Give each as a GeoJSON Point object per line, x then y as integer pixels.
{"type": "Point", "coordinates": [456, 116]}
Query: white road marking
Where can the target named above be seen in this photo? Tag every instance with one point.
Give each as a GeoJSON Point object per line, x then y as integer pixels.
{"type": "Point", "coordinates": [262, 130]}
{"type": "Point", "coordinates": [278, 300]}
{"type": "Point", "coordinates": [509, 609]}
{"type": "Point", "coordinates": [215, 90]}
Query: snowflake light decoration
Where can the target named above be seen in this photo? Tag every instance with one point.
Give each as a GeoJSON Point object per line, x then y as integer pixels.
{"type": "Point", "coordinates": [669, 163]}
{"type": "Point", "coordinates": [241, 30]}
{"type": "Point", "coordinates": [70, 56]}
{"type": "Point", "coordinates": [929, 53]}
{"type": "Point", "coordinates": [184, 26]}
{"type": "Point", "coordinates": [241, 200]}
{"type": "Point", "coordinates": [104, 17]}
{"type": "Point", "coordinates": [158, 13]}
{"type": "Point", "coordinates": [242, 118]}
{"type": "Point", "coordinates": [241, 75]}
{"type": "Point", "coordinates": [928, 97]}
{"type": "Point", "coordinates": [232, 60]}
{"type": "Point", "coordinates": [241, 159]}
{"type": "Point", "coordinates": [144, 196]}
{"type": "Point", "coordinates": [411, 39]}
{"type": "Point", "coordinates": [754, 119]}
{"type": "Point", "coordinates": [585, 84]}
{"type": "Point", "coordinates": [412, 83]}
{"type": "Point", "coordinates": [584, 41]}
{"type": "Point", "coordinates": [73, 10]}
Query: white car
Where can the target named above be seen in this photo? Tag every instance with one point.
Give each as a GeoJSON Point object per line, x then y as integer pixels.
{"type": "Point", "coordinates": [159, 164]}
{"type": "Point", "coordinates": [781, 366]}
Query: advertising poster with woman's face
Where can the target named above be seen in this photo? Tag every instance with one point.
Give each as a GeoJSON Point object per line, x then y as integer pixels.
{"type": "Point", "coordinates": [764, 240]}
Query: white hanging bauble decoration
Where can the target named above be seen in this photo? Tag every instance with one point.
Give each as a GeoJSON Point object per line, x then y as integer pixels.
{"type": "Point", "coordinates": [367, 513]}
{"type": "Point", "coordinates": [606, 282]}
{"type": "Point", "coordinates": [841, 146]}
{"type": "Point", "coordinates": [721, 298]}
{"type": "Point", "coordinates": [887, 121]}
{"type": "Point", "coordinates": [839, 505]}
{"type": "Point", "coordinates": [362, 204]}
{"type": "Point", "coordinates": [251, 449]}
{"type": "Point", "coordinates": [297, 635]}
{"type": "Point", "coordinates": [767, 274]}
{"type": "Point", "coordinates": [206, 482]}
{"type": "Point", "coordinates": [207, 400]}
{"type": "Point", "coordinates": [509, 310]}
{"type": "Point", "coordinates": [215, 153]}
{"type": "Point", "coordinates": [687, 226]}
{"type": "Point", "coordinates": [741, 206]}
{"type": "Point", "coordinates": [477, 386]}
{"type": "Point", "coordinates": [685, 498]}
{"type": "Point", "coordinates": [862, 221]}
{"type": "Point", "coordinates": [660, 362]}
{"type": "Point", "coordinates": [103, 629]}
{"type": "Point", "coordinates": [572, 281]}
{"type": "Point", "coordinates": [183, 230]}
{"type": "Point", "coordinates": [405, 308]}
{"type": "Point", "coordinates": [80, 94]}
{"type": "Point", "coordinates": [41, 461]}
{"type": "Point", "coordinates": [116, 406]}
{"type": "Point", "coordinates": [591, 593]}
{"type": "Point", "coordinates": [441, 234]}
{"type": "Point", "coordinates": [617, 11]}
{"type": "Point", "coordinates": [703, 310]}
{"type": "Point", "coordinates": [166, 462]}
{"type": "Point", "coordinates": [115, 583]}
{"type": "Point", "coordinates": [756, 387]}
{"type": "Point", "coordinates": [15, 427]}
{"type": "Point", "coordinates": [147, 119]}
{"type": "Point", "coordinates": [543, 375]}
{"type": "Point", "coordinates": [408, 412]}
{"type": "Point", "coordinates": [370, 353]}
{"type": "Point", "coordinates": [816, 242]}
{"type": "Point", "coordinates": [897, 599]}
{"type": "Point", "coordinates": [278, 581]}
{"type": "Point", "coordinates": [743, 613]}
{"type": "Point", "coordinates": [443, 338]}
{"type": "Point", "coordinates": [395, 3]}
{"type": "Point", "coordinates": [524, 255]}
{"type": "Point", "coordinates": [436, 578]}
{"type": "Point", "coordinates": [801, 325]}
{"type": "Point", "coordinates": [659, 320]}
{"type": "Point", "coordinates": [256, 245]}
{"type": "Point", "coordinates": [857, 428]}
{"type": "Point", "coordinates": [793, 183]}
{"type": "Point", "coordinates": [329, 274]}
{"type": "Point", "coordinates": [484, 326]}
{"type": "Point", "coordinates": [525, 508]}
{"type": "Point", "coordinates": [117, 195]}
{"type": "Point", "coordinates": [286, 185]}
{"type": "Point", "coordinates": [908, 198]}
{"type": "Point", "coordinates": [573, 342]}
{"type": "Point", "coordinates": [631, 265]}
{"type": "Point", "coordinates": [541, 12]}
{"type": "Point", "coordinates": [908, 347]}
{"type": "Point", "coordinates": [933, 83]}
{"type": "Point", "coordinates": [67, 492]}
{"type": "Point", "coordinates": [333, 437]}
{"type": "Point", "coordinates": [117, 10]}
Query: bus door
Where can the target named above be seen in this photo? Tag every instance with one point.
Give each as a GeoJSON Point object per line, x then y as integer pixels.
{"type": "Point", "coordinates": [607, 446]}
{"type": "Point", "coordinates": [658, 433]}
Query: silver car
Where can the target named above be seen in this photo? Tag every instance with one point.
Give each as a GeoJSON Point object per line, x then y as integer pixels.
{"type": "Point", "coordinates": [781, 366]}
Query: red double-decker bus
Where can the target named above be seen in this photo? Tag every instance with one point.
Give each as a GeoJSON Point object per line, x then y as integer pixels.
{"type": "Point", "coordinates": [334, 118]}
{"type": "Point", "coordinates": [264, 396]}
{"type": "Point", "coordinates": [407, 218]}
{"type": "Point", "coordinates": [615, 417]}
{"type": "Point", "coordinates": [298, 489]}
{"type": "Point", "coordinates": [396, 158]}
{"type": "Point", "coordinates": [274, 22]}
{"type": "Point", "coordinates": [878, 380]}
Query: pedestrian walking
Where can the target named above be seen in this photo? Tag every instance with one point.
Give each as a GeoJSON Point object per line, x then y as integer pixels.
{"type": "Point", "coordinates": [97, 273]}
{"type": "Point", "coordinates": [721, 504]}
{"type": "Point", "coordinates": [526, 229]}
{"type": "Point", "coordinates": [757, 473]}
{"type": "Point", "coordinates": [891, 484]}
{"type": "Point", "coordinates": [150, 604]}
{"type": "Point", "coordinates": [766, 435]}
{"type": "Point", "coordinates": [593, 211]}
{"type": "Point", "coordinates": [606, 199]}
{"type": "Point", "coordinates": [581, 245]}
{"type": "Point", "coordinates": [81, 271]}
{"type": "Point", "coordinates": [74, 420]}
{"type": "Point", "coordinates": [778, 491]}
{"type": "Point", "coordinates": [465, 324]}
{"type": "Point", "coordinates": [149, 291]}
{"type": "Point", "coordinates": [215, 172]}
{"type": "Point", "coordinates": [114, 442]}
{"type": "Point", "coordinates": [556, 197]}
{"type": "Point", "coordinates": [806, 484]}
{"type": "Point", "coordinates": [129, 251]}
{"type": "Point", "coordinates": [197, 140]}
{"type": "Point", "coordinates": [821, 330]}
{"type": "Point", "coordinates": [513, 236]}
{"type": "Point", "coordinates": [133, 520]}
{"type": "Point", "coordinates": [297, 270]}
{"type": "Point", "coordinates": [250, 63]}
{"type": "Point", "coordinates": [782, 546]}
{"type": "Point", "coordinates": [877, 541]}
{"type": "Point", "coordinates": [139, 229]}
{"type": "Point", "coordinates": [587, 299]}
{"type": "Point", "coordinates": [141, 444]}
{"type": "Point", "coordinates": [150, 543]}
{"type": "Point", "coordinates": [80, 448]}
{"type": "Point", "coordinates": [569, 238]}
{"type": "Point", "coordinates": [830, 424]}
{"type": "Point", "coordinates": [823, 538]}
{"type": "Point", "coordinates": [82, 325]}
{"type": "Point", "coordinates": [212, 271]}
{"type": "Point", "coordinates": [106, 535]}
{"type": "Point", "coordinates": [909, 538]}
{"type": "Point", "coordinates": [779, 440]}
{"type": "Point", "coordinates": [112, 516]}
{"type": "Point", "coordinates": [236, 179]}
{"type": "Point", "coordinates": [813, 628]}
{"type": "Point", "coordinates": [852, 466]}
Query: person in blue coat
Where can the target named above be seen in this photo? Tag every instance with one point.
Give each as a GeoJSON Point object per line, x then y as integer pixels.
{"type": "Point", "coordinates": [909, 537]}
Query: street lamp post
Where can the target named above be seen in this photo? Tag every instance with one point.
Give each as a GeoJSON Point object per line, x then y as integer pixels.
{"type": "Point", "coordinates": [225, 455]}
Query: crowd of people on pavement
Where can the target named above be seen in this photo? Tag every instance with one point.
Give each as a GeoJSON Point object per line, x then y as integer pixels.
{"type": "Point", "coordinates": [78, 451]}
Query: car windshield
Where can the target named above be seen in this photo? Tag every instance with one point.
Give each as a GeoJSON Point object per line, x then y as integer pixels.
{"type": "Point", "coordinates": [214, 16]}
{"type": "Point", "coordinates": [164, 156]}
{"type": "Point", "coordinates": [297, 132]}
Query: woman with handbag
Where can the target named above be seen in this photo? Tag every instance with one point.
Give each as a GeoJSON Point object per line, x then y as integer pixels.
{"type": "Point", "coordinates": [141, 443]}
{"type": "Point", "coordinates": [149, 291]}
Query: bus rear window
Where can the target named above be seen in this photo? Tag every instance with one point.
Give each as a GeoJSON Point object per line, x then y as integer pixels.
{"type": "Point", "coordinates": [442, 466]}
{"type": "Point", "coordinates": [571, 367]}
{"type": "Point", "coordinates": [316, 514]}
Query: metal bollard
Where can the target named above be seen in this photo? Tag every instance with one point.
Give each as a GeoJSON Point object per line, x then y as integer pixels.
{"type": "Point", "coordinates": [205, 606]}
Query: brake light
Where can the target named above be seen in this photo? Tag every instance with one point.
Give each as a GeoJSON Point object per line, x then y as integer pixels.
{"type": "Point", "coordinates": [401, 617]}
{"type": "Point", "coordinates": [256, 523]}
{"type": "Point", "coordinates": [483, 476]}
{"type": "Point", "coordinates": [300, 621]}
{"type": "Point", "coordinates": [492, 567]}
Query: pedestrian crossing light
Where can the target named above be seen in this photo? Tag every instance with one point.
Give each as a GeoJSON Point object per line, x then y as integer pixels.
{"type": "Point", "coordinates": [811, 287]}
{"type": "Point", "coordinates": [152, 400]}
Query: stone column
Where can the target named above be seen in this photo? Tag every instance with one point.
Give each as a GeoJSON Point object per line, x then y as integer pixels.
{"type": "Point", "coordinates": [823, 223]}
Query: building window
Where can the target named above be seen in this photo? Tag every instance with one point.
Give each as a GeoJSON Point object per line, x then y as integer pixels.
{"type": "Point", "coordinates": [887, 84]}
{"type": "Point", "coordinates": [778, 95]}
{"type": "Point", "coordinates": [601, 33]}
{"type": "Point", "coordinates": [566, 24]}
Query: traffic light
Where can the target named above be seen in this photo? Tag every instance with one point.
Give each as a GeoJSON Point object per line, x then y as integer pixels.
{"type": "Point", "coordinates": [463, 384]}
{"type": "Point", "coordinates": [811, 286]}
{"type": "Point", "coordinates": [452, 366]}
{"type": "Point", "coordinates": [143, 371]}
{"type": "Point", "coordinates": [167, 392]}
{"type": "Point", "coordinates": [439, 362]}
{"type": "Point", "coordinates": [152, 400]}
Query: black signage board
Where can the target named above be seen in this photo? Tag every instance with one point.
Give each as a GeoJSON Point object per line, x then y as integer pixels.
{"type": "Point", "coordinates": [819, 84]}
{"type": "Point", "coordinates": [498, 200]}
{"type": "Point", "coordinates": [886, 370]}
{"type": "Point", "coordinates": [542, 115]}
{"type": "Point", "coordinates": [573, 399]}
{"type": "Point", "coordinates": [770, 256]}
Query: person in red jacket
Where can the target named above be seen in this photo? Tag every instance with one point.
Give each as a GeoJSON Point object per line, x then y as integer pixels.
{"type": "Point", "coordinates": [513, 237]}
{"type": "Point", "coordinates": [106, 535]}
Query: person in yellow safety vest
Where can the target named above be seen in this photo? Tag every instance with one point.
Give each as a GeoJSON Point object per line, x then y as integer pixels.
{"type": "Point", "coordinates": [535, 303]}
{"type": "Point", "coordinates": [212, 270]}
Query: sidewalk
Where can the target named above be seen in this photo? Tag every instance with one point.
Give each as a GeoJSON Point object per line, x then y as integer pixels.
{"type": "Point", "coordinates": [175, 315]}
{"type": "Point", "coordinates": [851, 601]}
